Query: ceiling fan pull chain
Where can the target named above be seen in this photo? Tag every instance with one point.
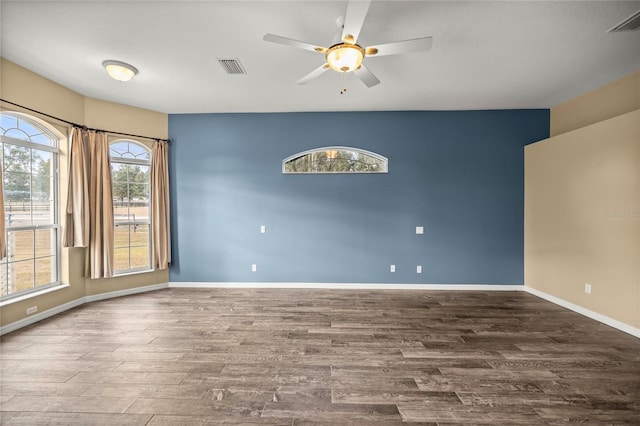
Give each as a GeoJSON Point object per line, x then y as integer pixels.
{"type": "Point", "coordinates": [343, 84]}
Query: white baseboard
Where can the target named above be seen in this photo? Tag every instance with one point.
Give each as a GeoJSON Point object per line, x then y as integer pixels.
{"type": "Point", "coordinates": [348, 286]}
{"type": "Point", "coordinates": [31, 319]}
{"type": "Point", "coordinates": [126, 292]}
{"type": "Point", "coordinates": [586, 312]}
{"type": "Point", "coordinates": [75, 303]}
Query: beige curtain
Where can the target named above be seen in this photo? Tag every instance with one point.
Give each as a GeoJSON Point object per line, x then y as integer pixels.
{"type": "Point", "coordinates": [76, 233]}
{"type": "Point", "coordinates": [3, 240]}
{"type": "Point", "coordinates": [160, 218]}
{"type": "Point", "coordinates": [101, 236]}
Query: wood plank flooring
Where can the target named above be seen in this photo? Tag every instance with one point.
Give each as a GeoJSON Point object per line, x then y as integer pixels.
{"type": "Point", "coordinates": [298, 357]}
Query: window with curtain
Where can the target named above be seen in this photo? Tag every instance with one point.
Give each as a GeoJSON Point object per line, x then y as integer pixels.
{"type": "Point", "coordinates": [130, 164]}
{"type": "Point", "coordinates": [29, 157]}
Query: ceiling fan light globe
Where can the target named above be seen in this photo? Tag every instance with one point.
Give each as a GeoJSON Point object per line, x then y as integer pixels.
{"type": "Point", "coordinates": [345, 57]}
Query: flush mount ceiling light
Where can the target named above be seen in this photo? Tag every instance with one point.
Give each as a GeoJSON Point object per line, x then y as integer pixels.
{"type": "Point", "coordinates": [120, 71]}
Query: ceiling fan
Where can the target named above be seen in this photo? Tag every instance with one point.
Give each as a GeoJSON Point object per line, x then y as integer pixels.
{"type": "Point", "coordinates": [345, 54]}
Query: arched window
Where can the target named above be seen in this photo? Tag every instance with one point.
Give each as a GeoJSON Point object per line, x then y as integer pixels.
{"type": "Point", "coordinates": [29, 155]}
{"type": "Point", "coordinates": [130, 164]}
{"type": "Point", "coordinates": [335, 159]}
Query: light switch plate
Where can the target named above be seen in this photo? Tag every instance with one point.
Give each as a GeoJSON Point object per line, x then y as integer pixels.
{"type": "Point", "coordinates": [254, 267]}
{"type": "Point", "coordinates": [263, 229]}
{"type": "Point", "coordinates": [392, 268]}
{"type": "Point", "coordinates": [419, 230]}
{"type": "Point", "coordinates": [419, 269]}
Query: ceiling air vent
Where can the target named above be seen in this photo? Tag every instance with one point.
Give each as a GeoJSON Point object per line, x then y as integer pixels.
{"type": "Point", "coordinates": [232, 66]}
{"type": "Point", "coordinates": [630, 24]}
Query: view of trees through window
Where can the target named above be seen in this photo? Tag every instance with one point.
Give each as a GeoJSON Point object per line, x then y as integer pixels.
{"type": "Point", "coordinates": [28, 153]}
{"type": "Point", "coordinates": [130, 165]}
{"type": "Point", "coordinates": [335, 160]}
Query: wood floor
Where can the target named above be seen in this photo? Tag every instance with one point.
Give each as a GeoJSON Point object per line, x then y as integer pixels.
{"type": "Point", "coordinates": [295, 357]}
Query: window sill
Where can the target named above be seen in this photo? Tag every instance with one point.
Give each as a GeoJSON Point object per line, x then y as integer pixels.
{"type": "Point", "coordinates": [127, 273]}
{"type": "Point", "coordinates": [32, 295]}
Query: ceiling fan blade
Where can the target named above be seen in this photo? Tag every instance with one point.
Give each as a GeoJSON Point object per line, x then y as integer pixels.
{"type": "Point", "coordinates": [313, 74]}
{"type": "Point", "coordinates": [366, 76]}
{"type": "Point", "coordinates": [295, 43]}
{"type": "Point", "coordinates": [354, 19]}
{"type": "Point", "coordinates": [398, 47]}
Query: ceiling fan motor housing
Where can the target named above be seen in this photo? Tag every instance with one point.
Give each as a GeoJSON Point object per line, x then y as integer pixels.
{"type": "Point", "coordinates": [345, 57]}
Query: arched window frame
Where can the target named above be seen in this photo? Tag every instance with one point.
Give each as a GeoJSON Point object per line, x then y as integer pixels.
{"type": "Point", "coordinates": [384, 162]}
{"type": "Point", "coordinates": [129, 219]}
{"type": "Point", "coordinates": [46, 230]}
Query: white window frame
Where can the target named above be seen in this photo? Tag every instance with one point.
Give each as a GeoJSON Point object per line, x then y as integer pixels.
{"type": "Point", "coordinates": [54, 149]}
{"type": "Point", "coordinates": [134, 162]}
{"type": "Point", "coordinates": [384, 160]}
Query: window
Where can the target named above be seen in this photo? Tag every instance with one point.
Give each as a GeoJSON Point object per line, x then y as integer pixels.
{"type": "Point", "coordinates": [29, 155]}
{"type": "Point", "coordinates": [335, 159]}
{"type": "Point", "coordinates": [130, 164]}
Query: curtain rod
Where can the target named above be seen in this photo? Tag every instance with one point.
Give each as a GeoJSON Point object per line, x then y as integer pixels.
{"type": "Point", "coordinates": [81, 126]}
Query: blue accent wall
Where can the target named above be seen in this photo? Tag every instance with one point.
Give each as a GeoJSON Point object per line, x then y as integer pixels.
{"type": "Point", "coordinates": [460, 174]}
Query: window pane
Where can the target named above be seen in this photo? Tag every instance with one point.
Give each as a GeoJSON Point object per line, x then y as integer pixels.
{"type": "Point", "coordinates": [41, 138]}
{"type": "Point", "coordinates": [140, 235]}
{"type": "Point", "coordinates": [45, 240]}
{"type": "Point", "coordinates": [41, 174]}
{"type": "Point", "coordinates": [116, 149]}
{"type": "Point", "coordinates": [27, 127]}
{"type": "Point", "coordinates": [29, 177]}
{"type": "Point", "coordinates": [41, 188]}
{"type": "Point", "coordinates": [16, 134]}
{"type": "Point", "coordinates": [17, 213]}
{"type": "Point", "coordinates": [8, 122]}
{"type": "Point", "coordinates": [45, 270]}
{"type": "Point", "coordinates": [140, 257]}
{"type": "Point", "coordinates": [139, 211]}
{"type": "Point", "coordinates": [121, 259]}
{"type": "Point", "coordinates": [20, 275]}
{"type": "Point", "coordinates": [121, 213]}
{"type": "Point", "coordinates": [17, 186]}
{"type": "Point", "coordinates": [119, 172]}
{"type": "Point", "coordinates": [43, 212]}
{"type": "Point", "coordinates": [16, 158]}
{"type": "Point", "coordinates": [138, 191]}
{"type": "Point", "coordinates": [127, 149]}
{"type": "Point", "coordinates": [121, 234]}
{"type": "Point", "coordinates": [130, 184]}
{"type": "Point", "coordinates": [144, 174]}
{"type": "Point", "coordinates": [20, 245]}
{"type": "Point", "coordinates": [4, 282]}
{"type": "Point", "coordinates": [132, 247]}
{"type": "Point", "coordinates": [138, 151]}
{"type": "Point", "coordinates": [36, 133]}
{"type": "Point", "coordinates": [336, 160]}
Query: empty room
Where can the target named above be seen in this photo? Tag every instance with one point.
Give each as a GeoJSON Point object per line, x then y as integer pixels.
{"type": "Point", "coordinates": [319, 212]}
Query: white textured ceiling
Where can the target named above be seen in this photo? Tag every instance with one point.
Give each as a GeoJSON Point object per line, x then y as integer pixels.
{"type": "Point", "coordinates": [485, 55]}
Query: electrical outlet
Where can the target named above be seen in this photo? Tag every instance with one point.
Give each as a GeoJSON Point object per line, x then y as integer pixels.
{"type": "Point", "coordinates": [263, 229]}
{"type": "Point", "coordinates": [419, 230]}
{"type": "Point", "coordinates": [32, 310]}
{"type": "Point", "coordinates": [587, 288]}
{"type": "Point", "coordinates": [254, 267]}
{"type": "Point", "coordinates": [392, 268]}
{"type": "Point", "coordinates": [419, 269]}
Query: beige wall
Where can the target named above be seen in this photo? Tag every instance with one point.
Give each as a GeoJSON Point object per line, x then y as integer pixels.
{"type": "Point", "coordinates": [582, 207]}
{"type": "Point", "coordinates": [616, 98]}
{"type": "Point", "coordinates": [26, 88]}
